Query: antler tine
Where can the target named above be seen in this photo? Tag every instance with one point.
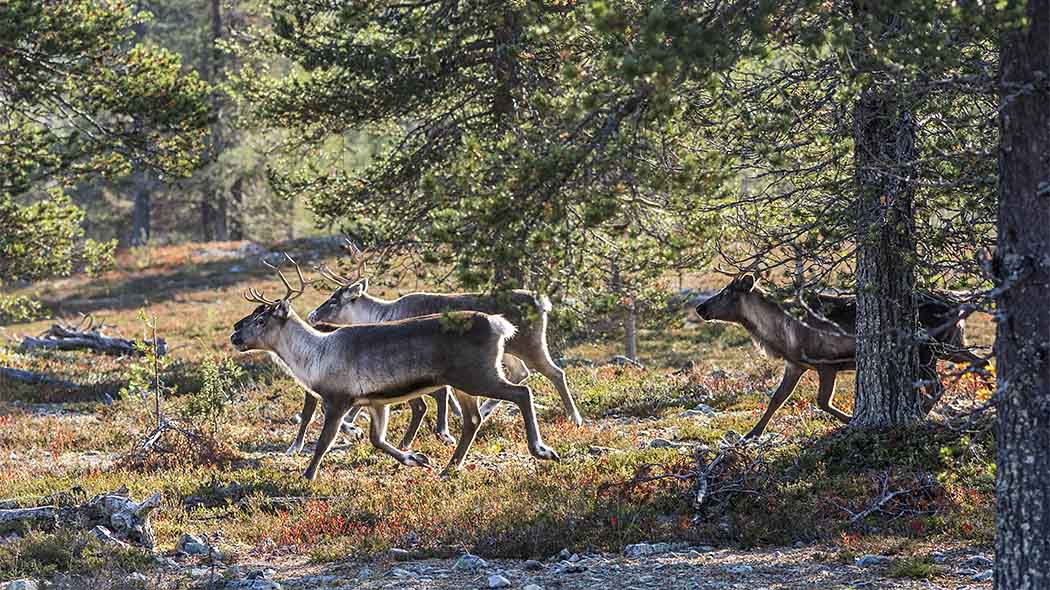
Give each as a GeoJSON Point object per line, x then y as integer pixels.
{"type": "Point", "coordinates": [331, 275]}
{"type": "Point", "coordinates": [293, 293]}
{"type": "Point", "coordinates": [252, 294]}
{"type": "Point", "coordinates": [357, 256]}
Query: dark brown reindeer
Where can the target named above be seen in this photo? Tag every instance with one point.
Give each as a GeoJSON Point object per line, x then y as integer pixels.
{"type": "Point", "coordinates": [824, 341]}
{"type": "Point", "coordinates": [375, 365]}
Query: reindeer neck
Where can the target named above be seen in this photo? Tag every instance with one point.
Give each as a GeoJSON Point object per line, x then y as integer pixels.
{"type": "Point", "coordinates": [301, 350]}
{"type": "Point", "coordinates": [766, 321]}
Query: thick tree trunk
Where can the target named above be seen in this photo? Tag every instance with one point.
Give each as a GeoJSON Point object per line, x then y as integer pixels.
{"type": "Point", "coordinates": [1023, 340]}
{"type": "Point", "coordinates": [887, 356]}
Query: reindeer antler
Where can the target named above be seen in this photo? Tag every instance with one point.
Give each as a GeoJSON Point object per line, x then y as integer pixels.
{"type": "Point", "coordinates": [253, 294]}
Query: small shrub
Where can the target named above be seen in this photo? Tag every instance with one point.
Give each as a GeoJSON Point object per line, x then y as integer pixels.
{"type": "Point", "coordinates": [916, 568]}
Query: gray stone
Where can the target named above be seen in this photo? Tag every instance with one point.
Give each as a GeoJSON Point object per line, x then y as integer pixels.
{"type": "Point", "coordinates": [740, 569]}
{"type": "Point", "coordinates": [498, 581]}
{"type": "Point", "coordinates": [364, 573]}
{"type": "Point", "coordinates": [470, 563]}
{"type": "Point", "coordinates": [660, 443]}
{"type": "Point", "coordinates": [871, 560]}
{"type": "Point", "coordinates": [979, 562]}
{"type": "Point", "coordinates": [23, 584]}
{"type": "Point", "coordinates": [400, 554]}
{"type": "Point", "coordinates": [532, 587]}
{"type": "Point", "coordinates": [532, 565]}
{"type": "Point", "coordinates": [563, 555]}
{"type": "Point", "coordinates": [399, 572]}
{"type": "Point", "coordinates": [263, 584]}
{"type": "Point", "coordinates": [191, 545]}
{"type": "Point", "coordinates": [984, 576]}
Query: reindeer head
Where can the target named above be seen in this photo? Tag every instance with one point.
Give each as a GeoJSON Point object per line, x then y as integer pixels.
{"type": "Point", "coordinates": [725, 305]}
{"type": "Point", "coordinates": [259, 329]}
{"type": "Point", "coordinates": [348, 304]}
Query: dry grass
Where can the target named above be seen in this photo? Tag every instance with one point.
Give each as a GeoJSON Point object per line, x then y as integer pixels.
{"type": "Point", "coordinates": [504, 503]}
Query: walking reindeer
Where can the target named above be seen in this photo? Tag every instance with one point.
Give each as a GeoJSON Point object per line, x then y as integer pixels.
{"type": "Point", "coordinates": [351, 304]}
{"type": "Point", "coordinates": [825, 342]}
{"type": "Point", "coordinates": [374, 365]}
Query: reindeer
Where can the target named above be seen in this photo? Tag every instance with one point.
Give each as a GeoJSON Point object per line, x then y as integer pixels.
{"type": "Point", "coordinates": [374, 365]}
{"type": "Point", "coordinates": [825, 341]}
{"type": "Point", "coordinates": [351, 304]}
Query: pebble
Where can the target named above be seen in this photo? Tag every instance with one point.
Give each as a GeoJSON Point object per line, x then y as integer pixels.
{"type": "Point", "coordinates": [470, 563]}
{"type": "Point", "coordinates": [364, 573]}
{"type": "Point", "coordinates": [498, 581]}
{"type": "Point", "coordinates": [740, 569]}
{"type": "Point", "coordinates": [870, 560]}
{"type": "Point", "coordinates": [398, 572]}
{"type": "Point", "coordinates": [984, 576]}
{"type": "Point", "coordinates": [261, 584]}
{"type": "Point", "coordinates": [400, 554]}
{"type": "Point", "coordinates": [532, 565]}
{"type": "Point", "coordinates": [660, 443]}
{"type": "Point", "coordinates": [24, 584]}
{"type": "Point", "coordinates": [532, 587]}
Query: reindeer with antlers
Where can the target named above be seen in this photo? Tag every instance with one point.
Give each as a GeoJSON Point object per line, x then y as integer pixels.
{"type": "Point", "coordinates": [824, 340]}
{"type": "Point", "coordinates": [351, 304]}
{"type": "Point", "coordinates": [372, 366]}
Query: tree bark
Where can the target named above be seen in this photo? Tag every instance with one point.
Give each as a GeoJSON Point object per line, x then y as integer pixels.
{"type": "Point", "coordinates": [887, 356]}
{"type": "Point", "coordinates": [1022, 272]}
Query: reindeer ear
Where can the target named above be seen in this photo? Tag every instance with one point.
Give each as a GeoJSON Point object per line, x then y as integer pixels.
{"type": "Point", "coordinates": [357, 289]}
{"type": "Point", "coordinates": [282, 310]}
{"type": "Point", "coordinates": [745, 283]}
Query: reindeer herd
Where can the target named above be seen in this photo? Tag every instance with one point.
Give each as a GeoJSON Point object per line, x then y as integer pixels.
{"type": "Point", "coordinates": [357, 352]}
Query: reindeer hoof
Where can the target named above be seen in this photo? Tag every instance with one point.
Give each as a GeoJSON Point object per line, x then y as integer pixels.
{"type": "Point", "coordinates": [294, 449]}
{"type": "Point", "coordinates": [446, 438]}
{"type": "Point", "coordinates": [546, 453]}
{"type": "Point", "coordinates": [352, 431]}
{"type": "Point", "coordinates": [576, 418]}
{"type": "Point", "coordinates": [413, 459]}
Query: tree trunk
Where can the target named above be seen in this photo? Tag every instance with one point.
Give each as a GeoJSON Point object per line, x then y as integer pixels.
{"type": "Point", "coordinates": [630, 331]}
{"type": "Point", "coordinates": [1023, 340]}
{"type": "Point", "coordinates": [141, 213]}
{"type": "Point", "coordinates": [236, 217]}
{"type": "Point", "coordinates": [887, 356]}
{"type": "Point", "coordinates": [213, 204]}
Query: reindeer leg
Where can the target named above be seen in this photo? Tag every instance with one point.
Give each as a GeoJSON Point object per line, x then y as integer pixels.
{"type": "Point", "coordinates": [471, 423]}
{"type": "Point", "coordinates": [348, 427]}
{"type": "Point", "coordinates": [333, 417]}
{"type": "Point", "coordinates": [826, 394]}
{"type": "Point", "coordinates": [522, 396]}
{"type": "Point", "coordinates": [792, 373]}
{"type": "Point", "coordinates": [443, 396]}
{"type": "Point", "coordinates": [309, 407]}
{"type": "Point", "coordinates": [419, 411]}
{"type": "Point", "coordinates": [545, 366]}
{"type": "Point", "coordinates": [377, 434]}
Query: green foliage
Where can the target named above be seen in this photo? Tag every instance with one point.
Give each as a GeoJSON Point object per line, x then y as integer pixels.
{"type": "Point", "coordinates": [530, 159]}
{"type": "Point", "coordinates": [143, 376]}
{"type": "Point", "coordinates": [68, 552]}
{"type": "Point", "coordinates": [80, 99]}
{"type": "Point", "coordinates": [219, 385]}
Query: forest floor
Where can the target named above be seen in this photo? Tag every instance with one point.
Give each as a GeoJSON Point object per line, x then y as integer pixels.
{"type": "Point", "coordinates": [796, 510]}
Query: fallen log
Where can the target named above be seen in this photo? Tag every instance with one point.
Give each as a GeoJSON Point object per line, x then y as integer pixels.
{"type": "Point", "coordinates": [86, 336]}
{"type": "Point", "coordinates": [112, 516]}
{"type": "Point", "coordinates": [35, 378]}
